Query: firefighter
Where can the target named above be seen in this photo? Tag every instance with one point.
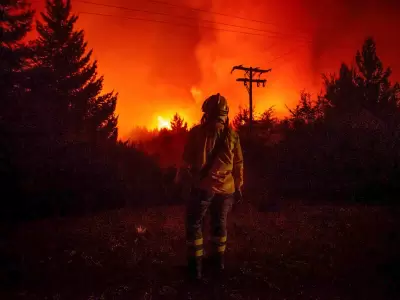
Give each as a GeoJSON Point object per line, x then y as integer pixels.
{"type": "Point", "coordinates": [213, 162]}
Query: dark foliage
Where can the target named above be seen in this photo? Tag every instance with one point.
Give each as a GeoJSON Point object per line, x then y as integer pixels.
{"type": "Point", "coordinates": [178, 124]}
{"type": "Point", "coordinates": [165, 145]}
{"type": "Point", "coordinates": [344, 144]}
{"type": "Point", "coordinates": [58, 128]}
{"type": "Point", "coordinates": [366, 86]}
{"type": "Point", "coordinates": [66, 81]}
{"type": "Point", "coordinates": [15, 23]}
{"type": "Point", "coordinates": [241, 121]}
{"type": "Point", "coordinates": [60, 153]}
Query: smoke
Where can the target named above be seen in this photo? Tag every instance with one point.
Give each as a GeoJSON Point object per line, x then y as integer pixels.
{"type": "Point", "coordinates": [318, 37]}
{"type": "Point", "coordinates": [340, 27]}
{"type": "Point", "coordinates": [159, 69]}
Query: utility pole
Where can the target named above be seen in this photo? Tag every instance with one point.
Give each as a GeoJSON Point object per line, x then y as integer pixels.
{"type": "Point", "coordinates": [248, 81]}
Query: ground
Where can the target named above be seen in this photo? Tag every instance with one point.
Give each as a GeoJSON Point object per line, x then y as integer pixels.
{"type": "Point", "coordinates": [295, 251]}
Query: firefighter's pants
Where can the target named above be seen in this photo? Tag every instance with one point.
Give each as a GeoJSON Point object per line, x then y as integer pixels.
{"type": "Point", "coordinates": [199, 203]}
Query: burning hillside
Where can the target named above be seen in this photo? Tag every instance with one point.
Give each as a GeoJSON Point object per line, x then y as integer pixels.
{"type": "Point", "coordinates": [166, 56]}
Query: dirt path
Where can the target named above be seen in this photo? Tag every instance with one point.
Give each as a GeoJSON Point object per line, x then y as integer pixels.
{"type": "Point", "coordinates": [297, 252]}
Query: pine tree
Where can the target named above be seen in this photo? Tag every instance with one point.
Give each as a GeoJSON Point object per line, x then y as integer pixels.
{"type": "Point", "coordinates": [268, 119]}
{"type": "Point", "coordinates": [342, 92]}
{"type": "Point", "coordinates": [15, 23]}
{"type": "Point", "coordinates": [69, 84]}
{"type": "Point", "coordinates": [381, 97]}
{"type": "Point", "coordinates": [178, 124]}
{"type": "Point", "coordinates": [307, 111]}
{"type": "Point", "coordinates": [241, 120]}
{"type": "Point", "coordinates": [367, 86]}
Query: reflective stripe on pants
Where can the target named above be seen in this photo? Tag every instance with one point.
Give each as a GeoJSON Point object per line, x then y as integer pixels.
{"type": "Point", "coordinates": [219, 244]}
{"type": "Point", "coordinates": [195, 248]}
{"type": "Point", "coordinates": [199, 203]}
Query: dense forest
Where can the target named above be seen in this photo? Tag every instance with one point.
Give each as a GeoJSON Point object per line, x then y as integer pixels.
{"type": "Point", "coordinates": [60, 151]}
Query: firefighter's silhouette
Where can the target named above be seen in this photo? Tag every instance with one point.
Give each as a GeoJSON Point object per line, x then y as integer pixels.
{"type": "Point", "coordinates": [213, 165]}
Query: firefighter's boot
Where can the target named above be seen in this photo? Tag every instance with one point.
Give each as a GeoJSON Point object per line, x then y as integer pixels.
{"type": "Point", "coordinates": [195, 267]}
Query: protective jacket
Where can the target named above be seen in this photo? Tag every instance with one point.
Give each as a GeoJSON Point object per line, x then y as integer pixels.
{"type": "Point", "coordinates": [226, 173]}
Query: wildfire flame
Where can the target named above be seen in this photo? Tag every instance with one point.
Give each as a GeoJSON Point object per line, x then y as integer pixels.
{"type": "Point", "coordinates": [299, 43]}
{"type": "Point", "coordinates": [163, 123]}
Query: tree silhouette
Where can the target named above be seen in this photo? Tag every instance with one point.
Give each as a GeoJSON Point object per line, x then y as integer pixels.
{"type": "Point", "coordinates": [15, 23]}
{"type": "Point", "coordinates": [69, 82]}
{"type": "Point", "coordinates": [342, 93]}
{"type": "Point", "coordinates": [365, 87]}
{"type": "Point", "coordinates": [178, 124]}
{"type": "Point", "coordinates": [268, 119]}
{"type": "Point", "coordinates": [241, 119]}
{"type": "Point", "coordinates": [381, 97]}
{"type": "Point", "coordinates": [307, 111]}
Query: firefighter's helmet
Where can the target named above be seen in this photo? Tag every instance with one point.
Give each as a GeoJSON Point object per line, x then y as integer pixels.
{"type": "Point", "coordinates": [216, 105]}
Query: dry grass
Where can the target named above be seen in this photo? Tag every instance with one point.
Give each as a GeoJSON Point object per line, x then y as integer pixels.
{"type": "Point", "coordinates": [300, 252]}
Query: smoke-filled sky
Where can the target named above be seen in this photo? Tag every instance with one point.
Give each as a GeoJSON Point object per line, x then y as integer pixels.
{"type": "Point", "coordinates": [159, 69]}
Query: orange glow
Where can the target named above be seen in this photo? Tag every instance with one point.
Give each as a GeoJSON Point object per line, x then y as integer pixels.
{"type": "Point", "coordinates": [163, 120]}
{"type": "Point", "coordinates": [158, 68]}
{"type": "Point", "coordinates": [163, 123]}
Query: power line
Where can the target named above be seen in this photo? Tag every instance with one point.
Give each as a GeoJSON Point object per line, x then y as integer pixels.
{"type": "Point", "coordinates": [178, 24]}
{"type": "Point", "coordinates": [170, 23]}
{"type": "Point", "coordinates": [185, 25]}
{"type": "Point", "coordinates": [211, 28]}
{"type": "Point", "coordinates": [283, 35]}
{"type": "Point", "coordinates": [193, 26]}
{"type": "Point", "coordinates": [182, 17]}
{"type": "Point", "coordinates": [182, 25]}
{"type": "Point", "coordinates": [283, 55]}
{"type": "Point", "coordinates": [210, 12]}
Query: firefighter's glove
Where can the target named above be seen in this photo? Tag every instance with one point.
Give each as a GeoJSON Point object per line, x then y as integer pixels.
{"type": "Point", "coordinates": [238, 196]}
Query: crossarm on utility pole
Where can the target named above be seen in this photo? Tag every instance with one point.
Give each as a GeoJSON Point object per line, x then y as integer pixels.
{"type": "Point", "coordinates": [254, 70]}
{"type": "Point", "coordinates": [261, 71]}
{"type": "Point", "coordinates": [257, 81]}
{"type": "Point", "coordinates": [254, 80]}
{"type": "Point", "coordinates": [240, 67]}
